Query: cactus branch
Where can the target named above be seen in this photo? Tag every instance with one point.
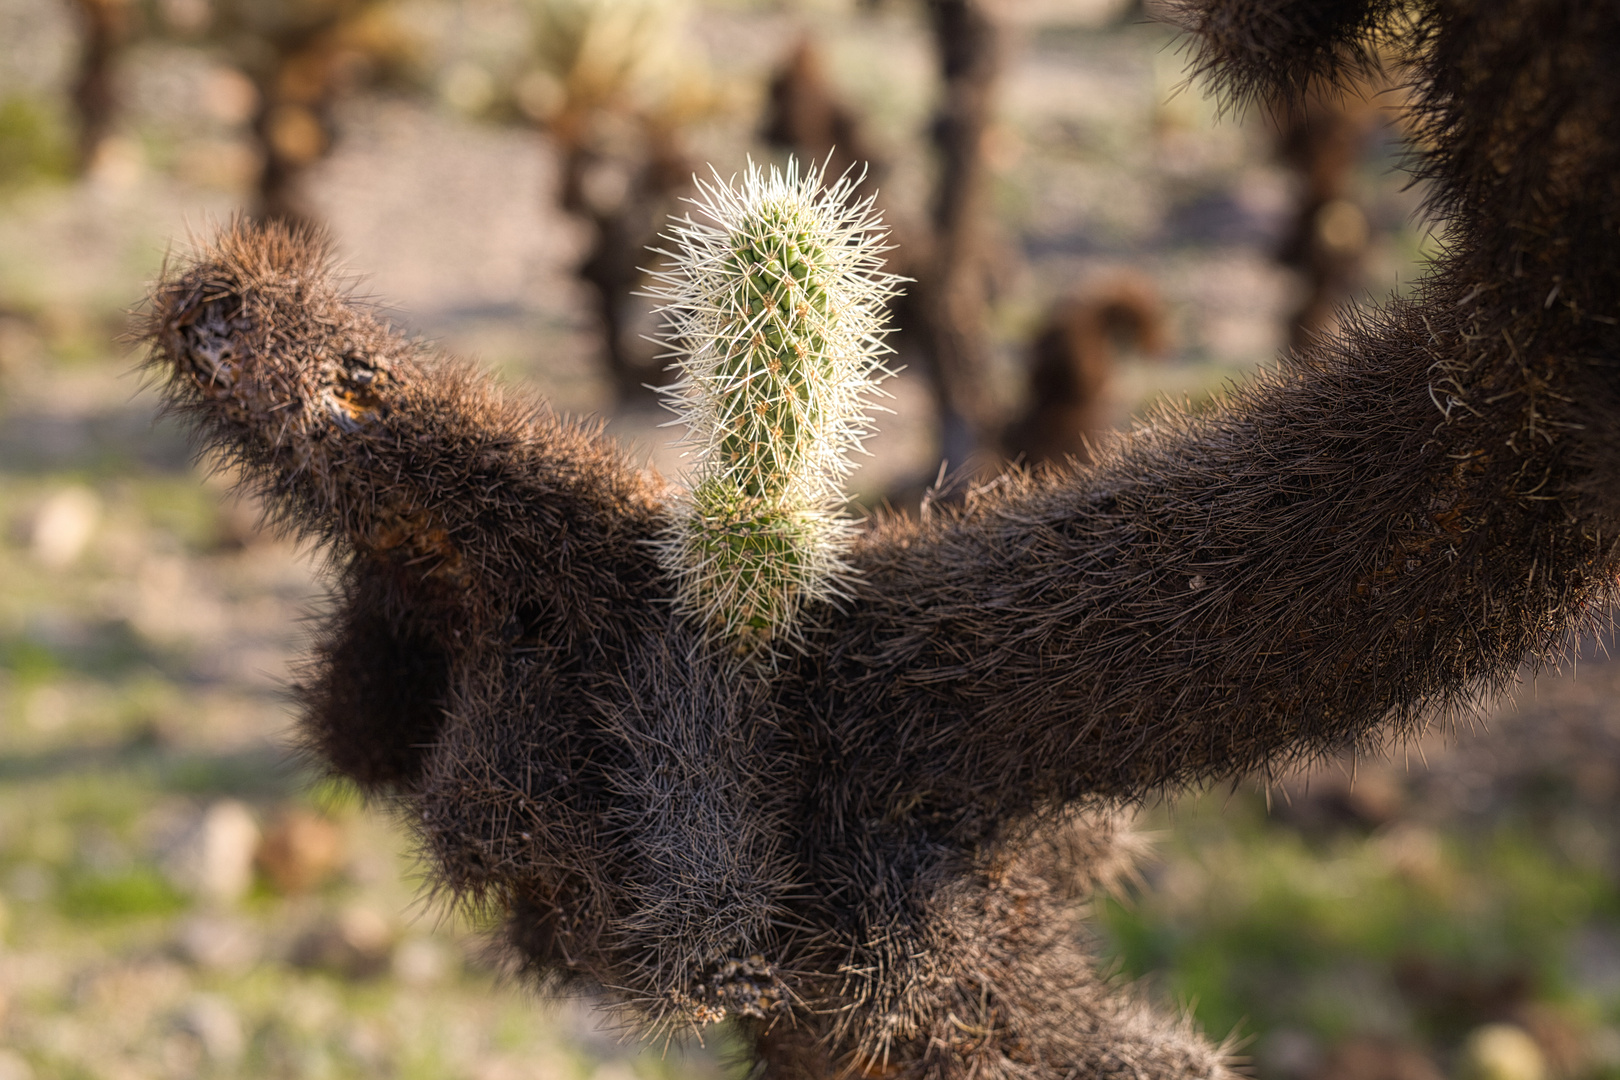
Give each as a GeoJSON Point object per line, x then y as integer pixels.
{"type": "Point", "coordinates": [1380, 531]}
{"type": "Point", "coordinates": [444, 501]}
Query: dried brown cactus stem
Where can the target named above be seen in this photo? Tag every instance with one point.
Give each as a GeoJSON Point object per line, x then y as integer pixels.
{"type": "Point", "coordinates": [296, 403]}
{"type": "Point", "coordinates": [498, 598]}
{"type": "Point", "coordinates": [1348, 545]}
{"type": "Point", "coordinates": [621, 816]}
{"type": "Point", "coordinates": [105, 32]}
{"type": "Point", "coordinates": [1328, 561]}
{"type": "Point", "coordinates": [458, 517]}
{"type": "Point", "coordinates": [1277, 50]}
{"type": "Point", "coordinates": [987, 976]}
{"type": "Point", "coordinates": [339, 416]}
{"type": "Point", "coordinates": [306, 418]}
{"type": "Point", "coordinates": [373, 686]}
{"type": "Point", "coordinates": [950, 299]}
{"type": "Point", "coordinates": [1341, 551]}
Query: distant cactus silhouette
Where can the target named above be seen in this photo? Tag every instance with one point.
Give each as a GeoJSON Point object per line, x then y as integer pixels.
{"type": "Point", "coordinates": [943, 315]}
{"type": "Point", "coordinates": [804, 114]}
{"type": "Point", "coordinates": [303, 58]}
{"type": "Point", "coordinates": [1322, 139]}
{"type": "Point", "coordinates": [948, 308]}
{"type": "Point", "coordinates": [617, 94]}
{"type": "Point", "coordinates": [869, 855]}
{"type": "Point", "coordinates": [104, 30]}
{"type": "Point", "coordinates": [1073, 363]}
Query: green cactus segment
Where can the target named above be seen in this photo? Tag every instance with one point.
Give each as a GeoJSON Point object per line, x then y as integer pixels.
{"type": "Point", "coordinates": [771, 414]}
{"type": "Point", "coordinates": [758, 558]}
{"type": "Point", "coordinates": [775, 319]}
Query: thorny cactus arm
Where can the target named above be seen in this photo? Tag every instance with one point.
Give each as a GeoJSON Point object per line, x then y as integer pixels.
{"type": "Point", "coordinates": [980, 972]}
{"type": "Point", "coordinates": [461, 520]}
{"type": "Point", "coordinates": [502, 648]}
{"type": "Point", "coordinates": [1276, 49]}
{"type": "Point", "coordinates": [1387, 525]}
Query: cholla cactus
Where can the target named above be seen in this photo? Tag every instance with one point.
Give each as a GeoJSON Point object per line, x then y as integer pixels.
{"type": "Point", "coordinates": [776, 317]}
{"type": "Point", "coordinates": [869, 856]}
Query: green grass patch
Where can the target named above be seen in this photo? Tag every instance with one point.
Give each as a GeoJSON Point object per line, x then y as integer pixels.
{"type": "Point", "coordinates": [1254, 926]}
{"type": "Point", "coordinates": [29, 662]}
{"type": "Point", "coordinates": [139, 891]}
{"type": "Point", "coordinates": [250, 774]}
{"type": "Point", "coordinates": [34, 145]}
{"type": "Point", "coordinates": [182, 507]}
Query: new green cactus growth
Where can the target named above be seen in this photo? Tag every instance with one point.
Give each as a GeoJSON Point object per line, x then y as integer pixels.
{"type": "Point", "coordinates": [776, 317]}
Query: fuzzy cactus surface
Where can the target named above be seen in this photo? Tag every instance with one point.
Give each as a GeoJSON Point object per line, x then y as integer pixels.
{"type": "Point", "coordinates": [872, 855]}
{"type": "Point", "coordinates": [776, 303]}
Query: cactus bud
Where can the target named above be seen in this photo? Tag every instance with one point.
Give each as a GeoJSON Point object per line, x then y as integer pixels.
{"type": "Point", "coordinates": [775, 317]}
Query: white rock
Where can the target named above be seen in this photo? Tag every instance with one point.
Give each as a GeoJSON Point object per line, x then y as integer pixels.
{"type": "Point", "coordinates": [420, 962]}
{"type": "Point", "coordinates": [1500, 1052]}
{"type": "Point", "coordinates": [219, 943]}
{"type": "Point", "coordinates": [14, 1067]}
{"type": "Point", "coordinates": [212, 1021]}
{"type": "Point", "coordinates": [63, 526]}
{"type": "Point", "coordinates": [213, 858]}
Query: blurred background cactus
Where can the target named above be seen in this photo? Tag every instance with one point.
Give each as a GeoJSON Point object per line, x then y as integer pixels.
{"type": "Point", "coordinates": [298, 56]}
{"type": "Point", "coordinates": [616, 86]}
{"type": "Point", "coordinates": [106, 26]}
{"type": "Point", "coordinates": [1325, 138]}
{"type": "Point", "coordinates": [301, 57]}
{"type": "Point", "coordinates": [1072, 364]}
{"type": "Point", "coordinates": [946, 246]}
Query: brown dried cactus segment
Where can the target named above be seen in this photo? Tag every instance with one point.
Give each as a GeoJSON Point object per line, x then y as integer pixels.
{"type": "Point", "coordinates": [256, 325]}
{"type": "Point", "coordinates": [294, 387]}
{"type": "Point", "coordinates": [1276, 50]}
{"type": "Point", "coordinates": [461, 519]}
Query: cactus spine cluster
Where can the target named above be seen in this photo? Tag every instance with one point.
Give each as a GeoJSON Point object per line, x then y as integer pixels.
{"type": "Point", "coordinates": [775, 317]}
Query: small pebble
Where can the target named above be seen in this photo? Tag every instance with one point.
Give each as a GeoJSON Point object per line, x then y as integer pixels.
{"type": "Point", "coordinates": [13, 1066]}
{"type": "Point", "coordinates": [213, 1022]}
{"type": "Point", "coordinates": [212, 859]}
{"type": "Point", "coordinates": [63, 526]}
{"type": "Point", "coordinates": [218, 943]}
{"type": "Point", "coordinates": [421, 962]}
{"type": "Point", "coordinates": [1500, 1052]}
